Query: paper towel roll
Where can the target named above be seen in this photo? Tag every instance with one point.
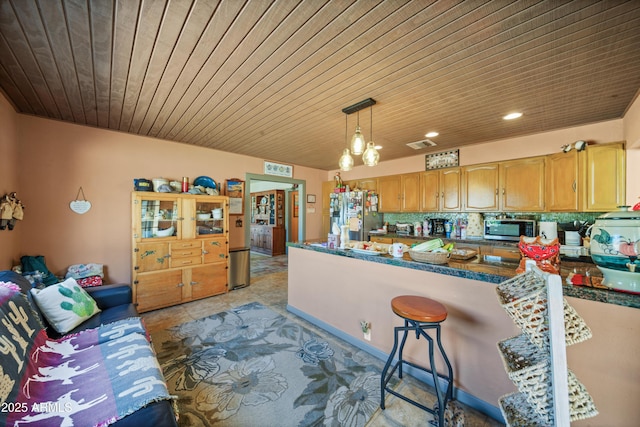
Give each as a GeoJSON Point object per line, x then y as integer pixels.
{"type": "Point", "coordinates": [548, 230]}
{"type": "Point", "coordinates": [475, 225]}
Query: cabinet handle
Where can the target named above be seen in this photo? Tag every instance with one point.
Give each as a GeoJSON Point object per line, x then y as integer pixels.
{"type": "Point", "coordinates": [180, 285]}
{"type": "Point", "coordinates": [574, 186]}
{"type": "Point", "coordinates": [186, 262]}
{"type": "Point", "coordinates": [186, 253]}
{"type": "Point", "coordinates": [497, 191]}
{"type": "Point", "coordinates": [205, 252]}
{"type": "Point", "coordinates": [194, 283]}
{"type": "Point", "coordinates": [503, 191]}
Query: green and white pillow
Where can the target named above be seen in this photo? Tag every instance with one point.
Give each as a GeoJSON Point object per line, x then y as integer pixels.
{"type": "Point", "coordinates": [65, 305]}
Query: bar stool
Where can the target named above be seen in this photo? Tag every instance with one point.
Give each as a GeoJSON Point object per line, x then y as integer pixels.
{"type": "Point", "coordinates": [420, 315]}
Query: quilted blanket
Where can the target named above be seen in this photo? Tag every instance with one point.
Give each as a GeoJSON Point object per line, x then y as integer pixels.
{"type": "Point", "coordinates": [92, 378]}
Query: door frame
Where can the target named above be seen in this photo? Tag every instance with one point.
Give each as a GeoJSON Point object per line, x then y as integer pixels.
{"type": "Point", "coordinates": [272, 178]}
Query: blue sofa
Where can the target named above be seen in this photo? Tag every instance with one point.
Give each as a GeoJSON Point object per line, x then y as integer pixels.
{"type": "Point", "coordinates": [115, 301]}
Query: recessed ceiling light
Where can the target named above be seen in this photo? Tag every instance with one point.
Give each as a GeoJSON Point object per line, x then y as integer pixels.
{"type": "Point", "coordinates": [432, 134]}
{"type": "Point", "coordinates": [512, 116]}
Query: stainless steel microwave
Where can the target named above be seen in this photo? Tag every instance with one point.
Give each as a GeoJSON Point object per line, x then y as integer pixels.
{"type": "Point", "coordinates": [509, 229]}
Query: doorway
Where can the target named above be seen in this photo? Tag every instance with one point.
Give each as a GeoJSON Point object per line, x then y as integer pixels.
{"type": "Point", "coordinates": [295, 229]}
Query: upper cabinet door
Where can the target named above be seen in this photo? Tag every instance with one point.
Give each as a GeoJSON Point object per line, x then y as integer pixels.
{"type": "Point", "coordinates": [562, 184]}
{"type": "Point", "coordinates": [450, 194]}
{"type": "Point", "coordinates": [156, 216]}
{"type": "Point", "coordinates": [389, 197]}
{"type": "Point", "coordinates": [522, 185]}
{"type": "Point", "coordinates": [429, 190]}
{"type": "Point", "coordinates": [480, 187]}
{"type": "Point", "coordinates": [411, 192]}
{"type": "Point", "coordinates": [605, 177]}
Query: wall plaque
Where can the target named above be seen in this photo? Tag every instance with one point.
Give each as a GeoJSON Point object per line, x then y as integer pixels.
{"type": "Point", "coordinates": [441, 160]}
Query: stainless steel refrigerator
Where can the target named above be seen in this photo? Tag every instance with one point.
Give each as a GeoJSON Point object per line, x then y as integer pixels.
{"type": "Point", "coordinates": [358, 210]}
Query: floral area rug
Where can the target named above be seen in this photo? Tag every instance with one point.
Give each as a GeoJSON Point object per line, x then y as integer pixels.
{"type": "Point", "coordinates": [251, 366]}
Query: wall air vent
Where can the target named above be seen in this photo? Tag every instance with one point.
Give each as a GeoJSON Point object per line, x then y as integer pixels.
{"type": "Point", "coordinates": [418, 145]}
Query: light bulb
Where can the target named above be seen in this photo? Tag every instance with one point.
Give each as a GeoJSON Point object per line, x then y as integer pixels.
{"type": "Point", "coordinates": [371, 155]}
{"type": "Point", "coordinates": [346, 161]}
{"type": "Point", "coordinates": [357, 142]}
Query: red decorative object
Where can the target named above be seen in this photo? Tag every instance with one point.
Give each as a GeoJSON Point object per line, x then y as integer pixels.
{"type": "Point", "coordinates": [545, 253]}
{"type": "Point", "coordinates": [636, 207]}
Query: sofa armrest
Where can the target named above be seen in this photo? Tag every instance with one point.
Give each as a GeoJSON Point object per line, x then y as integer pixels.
{"type": "Point", "coordinates": [111, 295]}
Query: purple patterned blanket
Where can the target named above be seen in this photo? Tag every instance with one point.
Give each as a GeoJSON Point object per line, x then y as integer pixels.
{"type": "Point", "coordinates": [94, 377]}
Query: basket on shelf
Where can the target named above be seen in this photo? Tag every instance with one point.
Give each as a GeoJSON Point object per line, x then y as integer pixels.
{"type": "Point", "coordinates": [524, 298]}
{"type": "Point", "coordinates": [429, 257]}
{"type": "Point", "coordinates": [530, 370]}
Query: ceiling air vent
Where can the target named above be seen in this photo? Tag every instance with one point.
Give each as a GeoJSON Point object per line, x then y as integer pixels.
{"type": "Point", "coordinates": [418, 145]}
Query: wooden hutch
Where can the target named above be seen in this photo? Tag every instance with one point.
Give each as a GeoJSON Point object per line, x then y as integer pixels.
{"type": "Point", "coordinates": [267, 222]}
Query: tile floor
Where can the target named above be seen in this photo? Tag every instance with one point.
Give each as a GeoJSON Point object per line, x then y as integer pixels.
{"type": "Point", "coordinates": [269, 287]}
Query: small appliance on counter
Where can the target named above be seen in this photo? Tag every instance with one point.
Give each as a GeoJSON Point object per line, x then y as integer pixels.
{"type": "Point", "coordinates": [509, 229]}
{"type": "Point", "coordinates": [438, 227]}
{"type": "Point", "coordinates": [404, 229]}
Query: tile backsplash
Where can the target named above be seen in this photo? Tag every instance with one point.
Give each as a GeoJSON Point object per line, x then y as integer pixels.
{"type": "Point", "coordinates": [393, 218]}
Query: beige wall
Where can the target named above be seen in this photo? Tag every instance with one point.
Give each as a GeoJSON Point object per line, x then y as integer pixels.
{"type": "Point", "coordinates": [56, 159]}
{"type": "Point", "coordinates": [8, 178]}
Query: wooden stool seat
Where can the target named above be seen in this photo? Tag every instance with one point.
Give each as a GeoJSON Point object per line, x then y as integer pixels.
{"type": "Point", "coordinates": [419, 309]}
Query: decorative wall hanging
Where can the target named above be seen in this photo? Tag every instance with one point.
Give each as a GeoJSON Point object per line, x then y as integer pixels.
{"type": "Point", "coordinates": [80, 206]}
{"type": "Point", "coordinates": [11, 210]}
{"type": "Point", "coordinates": [271, 168]}
{"type": "Point", "coordinates": [442, 160]}
{"type": "Point", "coordinates": [235, 191]}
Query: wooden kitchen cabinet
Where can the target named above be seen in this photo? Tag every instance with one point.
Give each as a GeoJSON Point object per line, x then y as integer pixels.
{"type": "Point", "coordinates": [389, 193]}
{"type": "Point", "coordinates": [562, 182]}
{"type": "Point", "coordinates": [481, 187]}
{"type": "Point", "coordinates": [410, 192]}
{"type": "Point", "coordinates": [603, 174]}
{"type": "Point", "coordinates": [178, 255]}
{"type": "Point", "coordinates": [522, 185]}
{"type": "Point", "coordinates": [430, 191]}
{"type": "Point", "coordinates": [440, 190]}
{"type": "Point", "coordinates": [268, 240]}
{"type": "Point", "coordinates": [450, 189]}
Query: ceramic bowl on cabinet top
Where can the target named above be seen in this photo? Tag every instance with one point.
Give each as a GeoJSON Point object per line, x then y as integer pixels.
{"type": "Point", "coordinates": [166, 232]}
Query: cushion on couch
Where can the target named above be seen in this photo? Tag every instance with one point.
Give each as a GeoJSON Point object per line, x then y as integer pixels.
{"type": "Point", "coordinates": [65, 305]}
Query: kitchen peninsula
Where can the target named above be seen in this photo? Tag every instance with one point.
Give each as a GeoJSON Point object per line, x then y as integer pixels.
{"type": "Point", "coordinates": [337, 289]}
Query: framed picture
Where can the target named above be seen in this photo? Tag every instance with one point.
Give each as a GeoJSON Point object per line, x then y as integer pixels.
{"type": "Point", "coordinates": [311, 198]}
{"type": "Point", "coordinates": [235, 191]}
{"type": "Point", "coordinates": [441, 160]}
{"type": "Point", "coordinates": [271, 168]}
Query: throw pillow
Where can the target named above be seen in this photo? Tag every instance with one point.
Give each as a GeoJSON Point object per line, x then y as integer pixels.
{"type": "Point", "coordinates": [65, 305]}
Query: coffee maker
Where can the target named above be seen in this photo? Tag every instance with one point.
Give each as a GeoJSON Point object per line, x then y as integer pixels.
{"type": "Point", "coordinates": [438, 226]}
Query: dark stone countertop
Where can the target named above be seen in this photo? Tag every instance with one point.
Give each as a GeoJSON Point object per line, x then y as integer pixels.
{"type": "Point", "coordinates": [476, 269]}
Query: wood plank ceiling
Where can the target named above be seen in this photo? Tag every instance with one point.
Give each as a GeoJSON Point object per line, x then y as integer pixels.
{"type": "Point", "coordinates": [269, 78]}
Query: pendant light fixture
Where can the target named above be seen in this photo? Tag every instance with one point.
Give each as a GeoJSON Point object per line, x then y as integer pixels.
{"type": "Point", "coordinates": [346, 161]}
{"type": "Point", "coordinates": [371, 155]}
{"type": "Point", "coordinates": [358, 142]}
{"type": "Point", "coordinates": [358, 145]}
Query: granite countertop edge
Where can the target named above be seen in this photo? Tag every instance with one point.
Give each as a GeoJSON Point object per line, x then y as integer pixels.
{"type": "Point", "coordinates": [586, 293]}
